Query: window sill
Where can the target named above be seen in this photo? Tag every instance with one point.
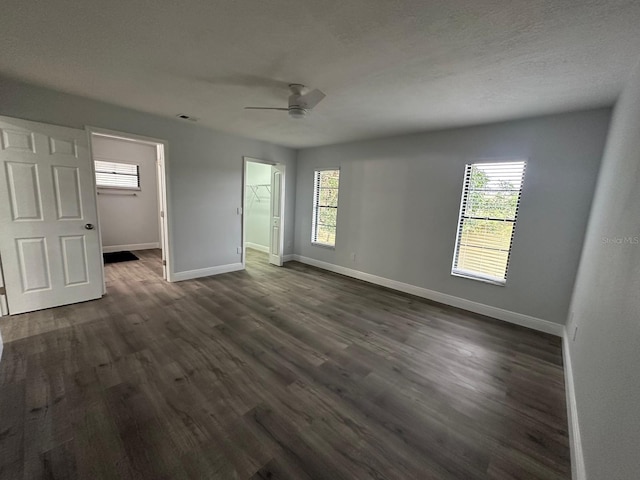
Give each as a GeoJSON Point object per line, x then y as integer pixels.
{"type": "Point", "coordinates": [126, 189]}
{"type": "Point", "coordinates": [479, 278]}
{"type": "Point", "coordinates": [323, 245]}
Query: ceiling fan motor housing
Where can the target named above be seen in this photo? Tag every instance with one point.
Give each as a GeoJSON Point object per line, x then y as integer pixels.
{"type": "Point", "coordinates": [297, 112]}
{"type": "Point", "coordinates": [300, 102]}
{"type": "Point", "coordinates": [296, 109]}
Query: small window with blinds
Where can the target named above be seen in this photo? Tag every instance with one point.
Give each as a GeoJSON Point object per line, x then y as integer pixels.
{"type": "Point", "coordinates": [488, 214]}
{"type": "Point", "coordinates": [325, 207]}
{"type": "Point", "coordinates": [117, 175]}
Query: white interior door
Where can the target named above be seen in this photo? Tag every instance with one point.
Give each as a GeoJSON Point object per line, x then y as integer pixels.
{"type": "Point", "coordinates": [276, 234]}
{"type": "Point", "coordinates": [49, 243]}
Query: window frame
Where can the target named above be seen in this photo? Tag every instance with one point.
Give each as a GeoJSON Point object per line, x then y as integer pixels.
{"type": "Point", "coordinates": [315, 207]}
{"type": "Point", "coordinates": [479, 276]}
{"type": "Point", "coordinates": [116, 161]}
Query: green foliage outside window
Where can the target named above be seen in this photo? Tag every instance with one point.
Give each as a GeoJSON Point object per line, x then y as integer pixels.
{"type": "Point", "coordinates": [488, 218]}
{"type": "Point", "coordinates": [327, 184]}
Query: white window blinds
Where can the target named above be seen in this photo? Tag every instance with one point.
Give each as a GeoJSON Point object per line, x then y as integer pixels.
{"type": "Point", "coordinates": [325, 207]}
{"type": "Point", "coordinates": [117, 175]}
{"type": "Point", "coordinates": [488, 214]}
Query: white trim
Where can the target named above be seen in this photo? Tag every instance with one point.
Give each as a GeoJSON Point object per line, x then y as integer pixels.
{"type": "Point", "coordinates": [259, 160]}
{"type": "Point", "coordinates": [207, 272]}
{"type": "Point", "coordinates": [478, 278]}
{"type": "Point", "coordinates": [95, 189]}
{"type": "Point", "coordinates": [257, 246]}
{"type": "Point", "coordinates": [164, 192]}
{"type": "Point", "coordinates": [114, 159]}
{"type": "Point", "coordinates": [163, 204]}
{"type": "Point", "coordinates": [323, 245]}
{"type": "Point", "coordinates": [130, 189]}
{"type": "Point", "coordinates": [4, 306]}
{"type": "Point", "coordinates": [575, 440]}
{"type": "Point", "coordinates": [133, 246]}
{"type": "Point", "coordinates": [288, 258]}
{"type": "Point", "coordinates": [278, 170]}
{"type": "Point", "coordinates": [242, 210]}
{"type": "Point", "coordinates": [243, 206]}
{"type": "Point", "coordinates": [505, 315]}
{"type": "Point", "coordinates": [131, 137]}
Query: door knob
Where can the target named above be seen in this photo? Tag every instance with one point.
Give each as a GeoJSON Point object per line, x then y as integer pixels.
{"type": "Point", "coordinates": [89, 226]}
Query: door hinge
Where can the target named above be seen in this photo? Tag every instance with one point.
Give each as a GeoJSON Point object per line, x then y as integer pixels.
{"type": "Point", "coordinates": [164, 263]}
{"type": "Point", "coordinates": [161, 214]}
{"type": "Point", "coordinates": [3, 291]}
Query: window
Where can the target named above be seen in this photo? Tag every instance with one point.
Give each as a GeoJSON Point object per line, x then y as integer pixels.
{"type": "Point", "coordinates": [488, 213]}
{"type": "Point", "coordinates": [325, 207]}
{"type": "Point", "coordinates": [117, 175]}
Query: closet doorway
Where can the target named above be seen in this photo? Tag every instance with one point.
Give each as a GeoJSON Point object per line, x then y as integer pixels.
{"type": "Point", "coordinates": [263, 207]}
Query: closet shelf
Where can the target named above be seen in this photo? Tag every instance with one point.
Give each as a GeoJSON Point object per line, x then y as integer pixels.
{"type": "Point", "coordinates": [256, 189]}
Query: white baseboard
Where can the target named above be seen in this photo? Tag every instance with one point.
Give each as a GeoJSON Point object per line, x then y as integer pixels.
{"type": "Point", "coordinates": [131, 247]}
{"type": "Point", "coordinates": [288, 258]}
{"type": "Point", "coordinates": [205, 272]}
{"type": "Point", "coordinates": [494, 312]}
{"type": "Point", "coordinates": [575, 442]}
{"type": "Point", "coordinates": [257, 246]}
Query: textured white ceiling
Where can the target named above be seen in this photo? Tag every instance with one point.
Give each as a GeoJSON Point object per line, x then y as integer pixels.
{"type": "Point", "coordinates": [387, 66]}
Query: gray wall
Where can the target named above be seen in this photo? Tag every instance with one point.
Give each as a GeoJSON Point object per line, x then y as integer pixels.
{"type": "Point", "coordinates": [204, 169]}
{"type": "Point", "coordinates": [400, 197]}
{"type": "Point", "coordinates": [258, 205]}
{"type": "Point", "coordinates": [606, 306]}
{"type": "Point", "coordinates": [125, 219]}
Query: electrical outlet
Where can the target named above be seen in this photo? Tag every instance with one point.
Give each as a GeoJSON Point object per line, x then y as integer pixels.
{"type": "Point", "coordinates": [239, 250]}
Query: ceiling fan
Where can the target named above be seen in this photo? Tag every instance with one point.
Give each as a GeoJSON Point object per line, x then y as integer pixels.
{"type": "Point", "coordinates": [300, 103]}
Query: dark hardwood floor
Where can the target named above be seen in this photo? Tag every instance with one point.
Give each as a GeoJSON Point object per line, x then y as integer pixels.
{"type": "Point", "coordinates": [275, 373]}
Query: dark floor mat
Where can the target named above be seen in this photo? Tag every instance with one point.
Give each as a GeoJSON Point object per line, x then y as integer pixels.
{"type": "Point", "coordinates": [115, 257]}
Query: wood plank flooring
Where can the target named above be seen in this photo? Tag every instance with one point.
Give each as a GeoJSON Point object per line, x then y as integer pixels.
{"type": "Point", "coordinates": [275, 373]}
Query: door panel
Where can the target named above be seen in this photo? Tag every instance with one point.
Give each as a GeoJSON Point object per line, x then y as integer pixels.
{"type": "Point", "coordinates": [17, 140]}
{"type": "Point", "coordinates": [74, 259]}
{"type": "Point", "coordinates": [47, 195]}
{"type": "Point", "coordinates": [34, 264]}
{"type": "Point", "coordinates": [277, 198]}
{"type": "Point", "coordinates": [275, 237]}
{"type": "Point", "coordinates": [22, 180]}
{"type": "Point", "coordinates": [63, 146]}
{"type": "Point", "coordinates": [66, 184]}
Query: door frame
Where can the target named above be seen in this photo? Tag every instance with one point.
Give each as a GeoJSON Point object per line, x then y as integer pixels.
{"type": "Point", "coordinates": [4, 303]}
{"type": "Point", "coordinates": [246, 160]}
{"type": "Point", "coordinates": [162, 160]}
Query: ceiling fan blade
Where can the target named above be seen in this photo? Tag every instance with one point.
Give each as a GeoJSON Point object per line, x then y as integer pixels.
{"type": "Point", "coordinates": [311, 99]}
{"type": "Point", "coordinates": [266, 108]}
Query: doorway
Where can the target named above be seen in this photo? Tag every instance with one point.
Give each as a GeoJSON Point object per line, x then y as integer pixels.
{"type": "Point", "coordinates": [50, 244]}
{"type": "Point", "coordinates": [263, 208]}
{"type": "Point", "coordinates": [131, 200]}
